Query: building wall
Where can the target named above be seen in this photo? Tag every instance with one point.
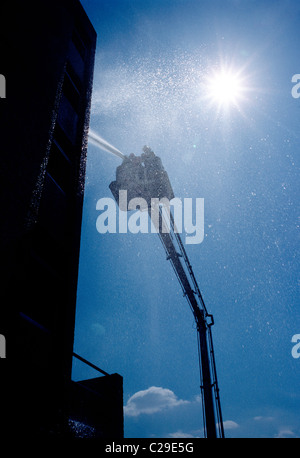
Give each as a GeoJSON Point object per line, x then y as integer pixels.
{"type": "Point", "coordinates": [47, 57]}
{"type": "Point", "coordinates": [96, 407]}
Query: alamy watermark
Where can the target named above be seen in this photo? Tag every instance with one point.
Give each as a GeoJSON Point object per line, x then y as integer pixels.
{"type": "Point", "coordinates": [188, 216]}
{"type": "Point", "coordinates": [2, 96]}
{"type": "Point", "coordinates": [296, 348]}
{"type": "Point", "coordinates": [2, 87]}
{"type": "Point", "coordinates": [296, 95]}
{"type": "Point", "coordinates": [296, 89]}
{"type": "Point", "coordinates": [2, 346]}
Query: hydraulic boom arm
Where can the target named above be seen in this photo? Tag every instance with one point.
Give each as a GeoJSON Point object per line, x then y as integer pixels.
{"type": "Point", "coordinates": [145, 177]}
{"type": "Point", "coordinates": [212, 415]}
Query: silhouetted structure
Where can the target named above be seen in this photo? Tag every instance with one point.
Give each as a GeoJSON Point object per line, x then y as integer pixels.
{"type": "Point", "coordinates": [47, 58]}
{"type": "Point", "coordinates": [145, 177]}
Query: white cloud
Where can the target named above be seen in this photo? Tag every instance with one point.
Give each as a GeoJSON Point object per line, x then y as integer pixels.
{"type": "Point", "coordinates": [285, 433]}
{"type": "Point", "coordinates": [180, 434]}
{"type": "Point", "coordinates": [229, 424]}
{"type": "Point", "coordinates": [261, 418]}
{"type": "Point", "coordinates": [153, 400]}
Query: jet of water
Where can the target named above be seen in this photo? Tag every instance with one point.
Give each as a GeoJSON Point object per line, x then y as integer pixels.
{"type": "Point", "coordinates": [104, 145]}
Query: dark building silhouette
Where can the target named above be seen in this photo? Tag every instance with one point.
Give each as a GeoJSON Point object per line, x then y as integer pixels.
{"type": "Point", "coordinates": [47, 59]}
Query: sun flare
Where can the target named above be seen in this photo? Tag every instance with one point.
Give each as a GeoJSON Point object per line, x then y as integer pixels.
{"type": "Point", "coordinates": [225, 88]}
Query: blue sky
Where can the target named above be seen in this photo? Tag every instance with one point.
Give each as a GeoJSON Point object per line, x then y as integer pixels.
{"type": "Point", "coordinates": [153, 61]}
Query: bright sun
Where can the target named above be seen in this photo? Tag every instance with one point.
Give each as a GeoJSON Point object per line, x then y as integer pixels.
{"type": "Point", "coordinates": [225, 88]}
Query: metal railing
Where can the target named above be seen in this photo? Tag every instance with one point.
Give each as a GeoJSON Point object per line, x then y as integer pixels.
{"type": "Point", "coordinates": [90, 364]}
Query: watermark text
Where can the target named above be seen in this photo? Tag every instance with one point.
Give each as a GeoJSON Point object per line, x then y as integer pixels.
{"type": "Point", "coordinates": [296, 348]}
{"type": "Point", "coordinates": [2, 346]}
{"type": "Point", "coordinates": [2, 87]}
{"type": "Point", "coordinates": [296, 87]}
{"type": "Point", "coordinates": [188, 216]}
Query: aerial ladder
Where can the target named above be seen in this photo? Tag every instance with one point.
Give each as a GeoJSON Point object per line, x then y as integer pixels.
{"type": "Point", "coordinates": [144, 177]}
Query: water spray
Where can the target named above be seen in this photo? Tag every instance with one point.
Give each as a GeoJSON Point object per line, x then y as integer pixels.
{"type": "Point", "coordinates": [104, 145]}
